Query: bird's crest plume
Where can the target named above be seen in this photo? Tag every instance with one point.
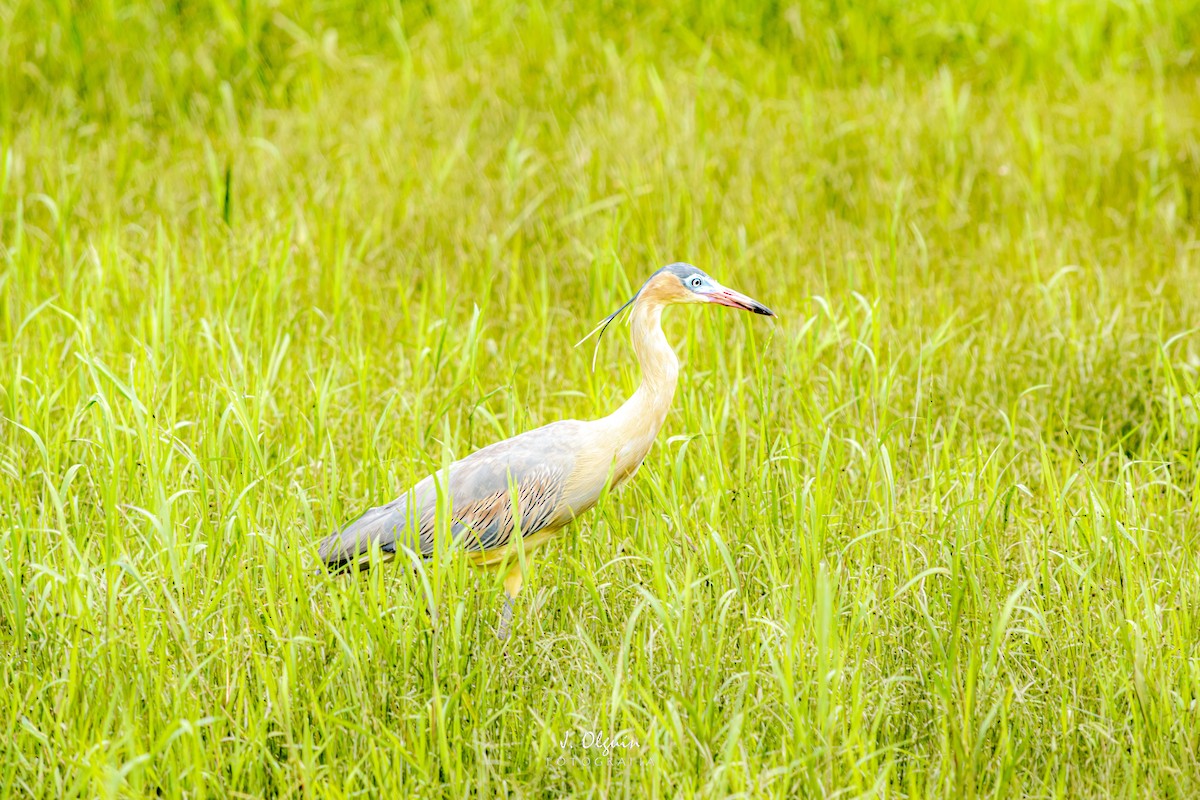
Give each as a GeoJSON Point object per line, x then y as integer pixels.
{"type": "Point", "coordinates": [602, 327]}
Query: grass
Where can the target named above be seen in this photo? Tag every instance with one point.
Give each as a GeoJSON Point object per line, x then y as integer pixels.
{"type": "Point", "coordinates": [934, 533]}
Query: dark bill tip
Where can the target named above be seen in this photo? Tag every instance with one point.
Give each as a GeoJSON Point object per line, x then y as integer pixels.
{"type": "Point", "coordinates": [728, 297]}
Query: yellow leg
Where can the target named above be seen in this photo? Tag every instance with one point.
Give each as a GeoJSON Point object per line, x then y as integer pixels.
{"type": "Point", "coordinates": [512, 585]}
{"type": "Point", "coordinates": [513, 580]}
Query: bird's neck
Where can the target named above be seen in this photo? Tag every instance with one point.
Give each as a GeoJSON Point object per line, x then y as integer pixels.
{"type": "Point", "coordinates": [638, 420]}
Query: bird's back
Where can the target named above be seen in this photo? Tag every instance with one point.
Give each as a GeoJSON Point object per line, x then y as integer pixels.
{"type": "Point", "coordinates": [538, 466]}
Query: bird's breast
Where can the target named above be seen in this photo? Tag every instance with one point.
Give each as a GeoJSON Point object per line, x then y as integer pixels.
{"type": "Point", "coordinates": [629, 457]}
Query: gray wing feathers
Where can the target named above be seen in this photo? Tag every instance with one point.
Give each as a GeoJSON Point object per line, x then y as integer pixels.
{"type": "Point", "coordinates": [487, 523]}
{"type": "Point", "coordinates": [535, 465]}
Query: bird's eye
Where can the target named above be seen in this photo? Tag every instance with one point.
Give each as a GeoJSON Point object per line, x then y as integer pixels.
{"type": "Point", "coordinates": [696, 282]}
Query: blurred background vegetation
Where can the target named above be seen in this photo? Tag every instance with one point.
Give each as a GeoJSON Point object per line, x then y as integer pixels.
{"type": "Point", "coordinates": [932, 534]}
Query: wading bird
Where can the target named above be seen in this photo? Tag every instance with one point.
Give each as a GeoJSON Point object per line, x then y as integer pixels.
{"type": "Point", "coordinates": [555, 472]}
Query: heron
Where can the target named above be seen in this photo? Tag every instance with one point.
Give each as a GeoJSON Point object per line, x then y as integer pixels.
{"type": "Point", "coordinates": [514, 495]}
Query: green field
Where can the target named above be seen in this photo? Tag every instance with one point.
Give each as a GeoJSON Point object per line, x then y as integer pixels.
{"type": "Point", "coordinates": [931, 533]}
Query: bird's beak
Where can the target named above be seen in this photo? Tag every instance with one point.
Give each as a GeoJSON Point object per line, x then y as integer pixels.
{"type": "Point", "coordinates": [728, 297]}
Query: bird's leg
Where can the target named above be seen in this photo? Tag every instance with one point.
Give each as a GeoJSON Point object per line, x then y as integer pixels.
{"type": "Point", "coordinates": [505, 619]}
{"type": "Point", "coordinates": [512, 585]}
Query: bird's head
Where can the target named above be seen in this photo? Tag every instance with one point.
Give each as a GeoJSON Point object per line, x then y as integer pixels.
{"type": "Point", "coordinates": [683, 283]}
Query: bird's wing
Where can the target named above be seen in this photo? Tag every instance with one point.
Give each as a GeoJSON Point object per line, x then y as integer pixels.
{"type": "Point", "coordinates": [535, 465]}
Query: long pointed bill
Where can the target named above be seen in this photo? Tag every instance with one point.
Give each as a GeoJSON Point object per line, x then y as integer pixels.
{"type": "Point", "coordinates": [728, 297]}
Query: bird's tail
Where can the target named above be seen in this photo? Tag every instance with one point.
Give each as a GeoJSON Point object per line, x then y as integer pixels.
{"type": "Point", "coordinates": [339, 555]}
{"type": "Point", "coordinates": [350, 548]}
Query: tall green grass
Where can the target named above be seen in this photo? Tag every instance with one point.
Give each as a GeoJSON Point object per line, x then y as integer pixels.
{"type": "Point", "coordinates": [933, 533]}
